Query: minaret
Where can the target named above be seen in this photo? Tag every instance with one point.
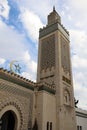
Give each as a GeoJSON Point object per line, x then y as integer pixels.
{"type": "Point", "coordinates": [54, 68]}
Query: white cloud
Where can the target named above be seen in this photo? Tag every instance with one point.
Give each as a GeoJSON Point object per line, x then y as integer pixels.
{"type": "Point", "coordinates": [80, 89]}
{"type": "Point", "coordinates": [11, 42]}
{"type": "Point", "coordinates": [77, 10]}
{"type": "Point", "coordinates": [4, 8]}
{"type": "Point", "coordinates": [78, 4]}
{"type": "Point", "coordinates": [2, 61]}
{"type": "Point", "coordinates": [31, 65]}
{"type": "Point", "coordinates": [42, 8]}
{"type": "Point", "coordinates": [27, 56]}
{"type": "Point", "coordinates": [78, 24]}
{"type": "Point", "coordinates": [31, 23]}
{"type": "Point", "coordinates": [27, 75]}
{"type": "Point", "coordinates": [34, 66]}
{"type": "Point", "coordinates": [79, 64]}
{"type": "Point", "coordinates": [13, 47]}
{"type": "Point", "coordinates": [69, 17]}
{"type": "Point", "coordinates": [78, 42]}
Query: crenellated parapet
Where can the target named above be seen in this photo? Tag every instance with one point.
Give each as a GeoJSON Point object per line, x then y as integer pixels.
{"type": "Point", "coordinates": [17, 79]}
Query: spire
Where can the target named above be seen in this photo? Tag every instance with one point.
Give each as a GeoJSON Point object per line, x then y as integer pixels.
{"type": "Point", "coordinates": [53, 8]}
{"type": "Point", "coordinates": [54, 17]}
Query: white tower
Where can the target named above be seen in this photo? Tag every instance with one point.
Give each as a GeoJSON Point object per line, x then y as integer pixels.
{"type": "Point", "coordinates": [54, 68]}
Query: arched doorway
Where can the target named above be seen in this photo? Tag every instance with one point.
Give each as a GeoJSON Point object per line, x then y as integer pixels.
{"type": "Point", "coordinates": [8, 120]}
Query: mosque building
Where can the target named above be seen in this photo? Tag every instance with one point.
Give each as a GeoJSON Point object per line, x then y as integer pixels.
{"type": "Point", "coordinates": [47, 104]}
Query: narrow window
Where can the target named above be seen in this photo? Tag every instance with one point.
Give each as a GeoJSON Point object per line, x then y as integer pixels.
{"type": "Point", "coordinates": [50, 125]}
{"type": "Point", "coordinates": [80, 127]}
{"type": "Point", "coordinates": [77, 127]}
{"type": "Point", "coordinates": [47, 125]}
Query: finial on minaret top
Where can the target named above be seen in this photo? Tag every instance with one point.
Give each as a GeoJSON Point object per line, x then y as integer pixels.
{"type": "Point", "coordinates": [54, 17]}
{"type": "Point", "coordinates": [53, 8]}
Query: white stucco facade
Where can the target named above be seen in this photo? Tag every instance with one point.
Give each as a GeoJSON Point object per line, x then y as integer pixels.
{"type": "Point", "coordinates": [81, 118]}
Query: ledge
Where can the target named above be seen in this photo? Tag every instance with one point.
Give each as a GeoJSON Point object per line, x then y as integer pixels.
{"type": "Point", "coordinates": [17, 79]}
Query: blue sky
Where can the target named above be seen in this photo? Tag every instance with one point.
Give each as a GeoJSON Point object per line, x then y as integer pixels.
{"type": "Point", "coordinates": [20, 21]}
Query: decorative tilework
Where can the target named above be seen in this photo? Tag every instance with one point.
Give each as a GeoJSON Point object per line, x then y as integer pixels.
{"type": "Point", "coordinates": [48, 52]}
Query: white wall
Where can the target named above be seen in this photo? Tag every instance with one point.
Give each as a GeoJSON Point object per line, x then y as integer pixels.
{"type": "Point", "coordinates": [81, 117]}
{"type": "Point", "coordinates": [46, 110]}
